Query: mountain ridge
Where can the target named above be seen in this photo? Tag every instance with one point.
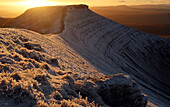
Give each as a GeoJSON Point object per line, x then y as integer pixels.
{"type": "Point", "coordinates": [114, 48]}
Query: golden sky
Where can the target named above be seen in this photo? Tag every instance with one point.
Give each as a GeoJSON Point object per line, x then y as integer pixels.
{"type": "Point", "coordinates": [89, 2]}
{"type": "Point", "coordinates": [18, 6]}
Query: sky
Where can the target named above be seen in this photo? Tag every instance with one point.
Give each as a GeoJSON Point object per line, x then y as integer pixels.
{"type": "Point", "coordinates": [11, 8]}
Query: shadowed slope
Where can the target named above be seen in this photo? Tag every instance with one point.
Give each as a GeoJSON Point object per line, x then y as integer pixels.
{"type": "Point", "coordinates": [112, 47]}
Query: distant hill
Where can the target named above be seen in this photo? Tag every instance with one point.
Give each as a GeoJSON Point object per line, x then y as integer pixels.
{"type": "Point", "coordinates": [153, 19]}
{"type": "Point", "coordinates": [125, 14]}
{"type": "Point", "coordinates": [38, 19]}
{"type": "Point", "coordinates": [11, 13]}
{"type": "Point", "coordinates": [158, 29]}
{"type": "Point", "coordinates": [156, 6]}
{"type": "Point", "coordinates": [3, 21]}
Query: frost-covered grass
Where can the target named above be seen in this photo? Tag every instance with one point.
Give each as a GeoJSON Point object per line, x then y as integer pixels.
{"type": "Point", "coordinates": [29, 88]}
{"type": "Point", "coordinates": [36, 71]}
{"type": "Point", "coordinates": [30, 77]}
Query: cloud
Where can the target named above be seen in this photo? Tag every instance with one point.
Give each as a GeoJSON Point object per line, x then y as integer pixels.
{"type": "Point", "coordinates": [11, 0]}
{"type": "Point", "coordinates": [122, 1]}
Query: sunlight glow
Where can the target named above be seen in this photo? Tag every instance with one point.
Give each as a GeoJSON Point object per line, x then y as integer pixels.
{"type": "Point", "coordinates": [38, 3]}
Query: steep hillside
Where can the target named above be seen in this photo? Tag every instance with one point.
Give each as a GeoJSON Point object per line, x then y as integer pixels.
{"type": "Point", "coordinates": [115, 48]}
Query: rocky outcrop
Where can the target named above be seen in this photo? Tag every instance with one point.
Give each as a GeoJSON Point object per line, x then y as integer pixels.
{"type": "Point", "coordinates": [114, 90]}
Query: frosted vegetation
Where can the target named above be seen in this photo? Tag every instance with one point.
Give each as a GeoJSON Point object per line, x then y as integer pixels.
{"type": "Point", "coordinates": [32, 76]}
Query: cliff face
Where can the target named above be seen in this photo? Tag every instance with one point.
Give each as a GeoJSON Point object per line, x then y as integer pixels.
{"type": "Point", "coordinates": [109, 46]}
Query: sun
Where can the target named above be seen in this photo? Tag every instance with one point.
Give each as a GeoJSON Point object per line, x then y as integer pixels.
{"type": "Point", "coordinates": [38, 3]}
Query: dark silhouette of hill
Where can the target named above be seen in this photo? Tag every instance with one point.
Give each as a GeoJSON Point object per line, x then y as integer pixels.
{"type": "Point", "coordinates": [156, 6]}
{"type": "Point", "coordinates": [147, 18]}
{"type": "Point", "coordinates": [3, 21]}
{"type": "Point", "coordinates": [158, 29]}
